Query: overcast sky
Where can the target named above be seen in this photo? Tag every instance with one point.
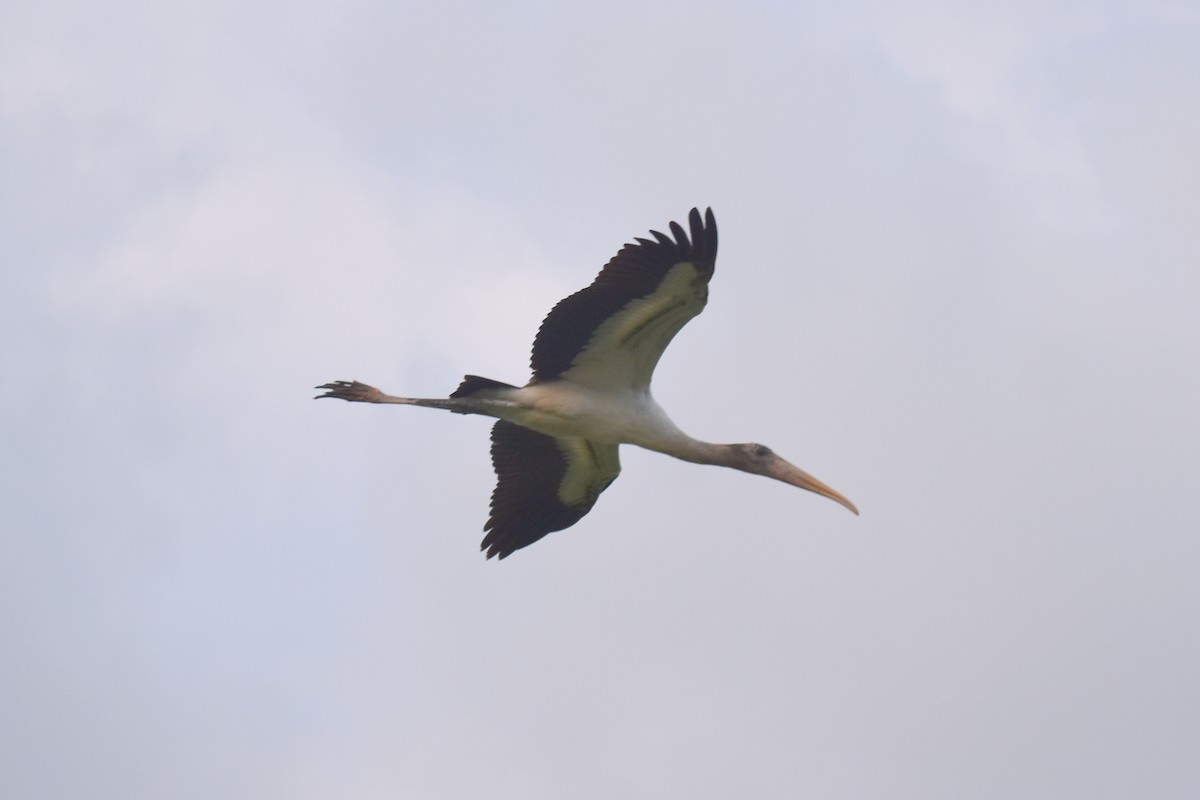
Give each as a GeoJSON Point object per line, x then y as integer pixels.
{"type": "Point", "coordinates": [958, 281]}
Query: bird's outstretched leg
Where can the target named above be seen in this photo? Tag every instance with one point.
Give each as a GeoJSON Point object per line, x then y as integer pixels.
{"type": "Point", "coordinates": [357, 392]}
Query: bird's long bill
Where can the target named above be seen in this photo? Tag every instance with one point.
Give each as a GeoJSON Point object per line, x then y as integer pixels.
{"type": "Point", "coordinates": [789, 473]}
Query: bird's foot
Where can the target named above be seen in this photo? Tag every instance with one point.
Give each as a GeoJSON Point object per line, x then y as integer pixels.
{"type": "Point", "coordinates": [353, 391]}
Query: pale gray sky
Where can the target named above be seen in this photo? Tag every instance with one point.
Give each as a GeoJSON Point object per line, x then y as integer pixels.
{"type": "Point", "coordinates": [958, 281]}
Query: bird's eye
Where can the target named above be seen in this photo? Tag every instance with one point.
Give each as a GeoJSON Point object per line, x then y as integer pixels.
{"type": "Point", "coordinates": [761, 451]}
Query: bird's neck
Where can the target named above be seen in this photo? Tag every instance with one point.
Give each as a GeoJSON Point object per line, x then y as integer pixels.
{"type": "Point", "coordinates": [696, 451]}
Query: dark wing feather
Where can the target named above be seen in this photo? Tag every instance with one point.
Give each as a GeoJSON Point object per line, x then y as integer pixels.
{"type": "Point", "coordinates": [636, 271]}
{"type": "Point", "coordinates": [543, 485]}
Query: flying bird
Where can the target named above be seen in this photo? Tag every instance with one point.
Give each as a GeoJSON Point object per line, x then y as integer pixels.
{"type": "Point", "coordinates": [555, 442]}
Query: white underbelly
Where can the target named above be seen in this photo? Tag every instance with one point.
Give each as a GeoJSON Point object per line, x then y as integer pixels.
{"type": "Point", "coordinates": [564, 409]}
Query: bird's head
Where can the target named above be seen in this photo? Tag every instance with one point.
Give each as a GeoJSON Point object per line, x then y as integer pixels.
{"type": "Point", "coordinates": [761, 460]}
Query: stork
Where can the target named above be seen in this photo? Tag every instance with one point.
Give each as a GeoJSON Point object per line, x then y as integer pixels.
{"type": "Point", "coordinates": [555, 442]}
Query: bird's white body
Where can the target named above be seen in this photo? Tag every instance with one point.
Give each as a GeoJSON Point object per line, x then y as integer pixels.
{"type": "Point", "coordinates": [566, 409]}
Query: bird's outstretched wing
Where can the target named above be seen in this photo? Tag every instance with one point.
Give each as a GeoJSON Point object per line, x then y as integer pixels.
{"type": "Point", "coordinates": [543, 484]}
{"type": "Point", "coordinates": [612, 333]}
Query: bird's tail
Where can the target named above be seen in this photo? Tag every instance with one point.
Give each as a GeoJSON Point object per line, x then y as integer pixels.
{"type": "Point", "coordinates": [473, 384]}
